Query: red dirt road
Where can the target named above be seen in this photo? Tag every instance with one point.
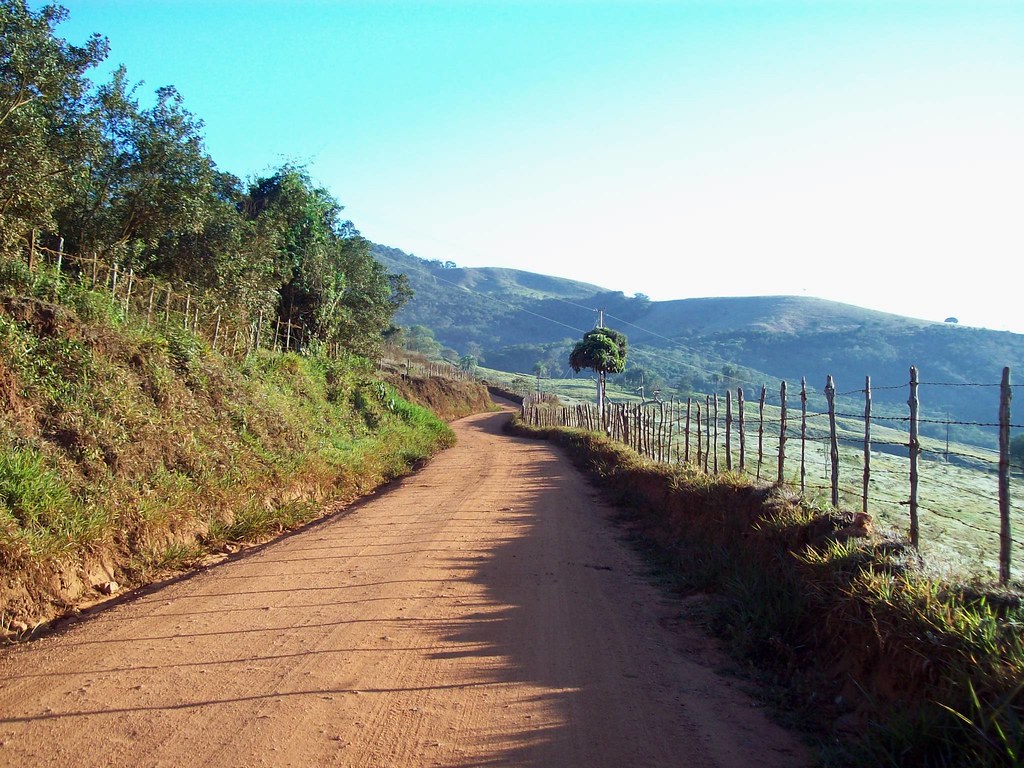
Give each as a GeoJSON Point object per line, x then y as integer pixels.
{"type": "Point", "coordinates": [481, 613]}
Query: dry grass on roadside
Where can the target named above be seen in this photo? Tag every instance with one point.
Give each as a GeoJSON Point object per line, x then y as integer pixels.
{"type": "Point", "coordinates": [883, 664]}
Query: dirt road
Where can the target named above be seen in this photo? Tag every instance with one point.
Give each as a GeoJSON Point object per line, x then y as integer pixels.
{"type": "Point", "coordinates": [481, 613]}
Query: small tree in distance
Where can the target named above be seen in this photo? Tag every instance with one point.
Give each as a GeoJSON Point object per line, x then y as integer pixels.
{"type": "Point", "coordinates": [602, 350]}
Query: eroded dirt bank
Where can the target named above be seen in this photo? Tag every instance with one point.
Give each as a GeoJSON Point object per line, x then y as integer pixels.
{"type": "Point", "coordinates": [480, 613]}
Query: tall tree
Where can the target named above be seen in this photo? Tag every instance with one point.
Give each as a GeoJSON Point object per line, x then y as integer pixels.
{"type": "Point", "coordinates": [232, 254]}
{"type": "Point", "coordinates": [331, 284]}
{"type": "Point", "coordinates": [601, 350]}
{"type": "Point", "coordinates": [43, 137]}
{"type": "Point", "coordinates": [306, 223]}
{"type": "Point", "coordinates": [150, 180]}
{"type": "Point", "coordinates": [135, 183]}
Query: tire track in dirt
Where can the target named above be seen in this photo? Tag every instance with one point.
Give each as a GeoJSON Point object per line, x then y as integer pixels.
{"type": "Point", "coordinates": [482, 612]}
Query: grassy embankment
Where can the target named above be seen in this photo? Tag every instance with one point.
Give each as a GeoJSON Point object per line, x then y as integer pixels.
{"type": "Point", "coordinates": [884, 664]}
{"type": "Point", "coordinates": [128, 450]}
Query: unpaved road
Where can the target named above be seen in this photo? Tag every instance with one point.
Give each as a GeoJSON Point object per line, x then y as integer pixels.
{"type": "Point", "coordinates": [481, 613]}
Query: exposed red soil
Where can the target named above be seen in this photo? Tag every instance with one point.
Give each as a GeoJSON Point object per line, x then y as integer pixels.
{"type": "Point", "coordinates": [482, 612]}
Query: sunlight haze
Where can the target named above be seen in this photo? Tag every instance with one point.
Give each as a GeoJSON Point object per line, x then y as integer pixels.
{"type": "Point", "coordinates": [863, 152]}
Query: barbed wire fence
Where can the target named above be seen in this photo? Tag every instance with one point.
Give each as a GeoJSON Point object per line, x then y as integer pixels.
{"type": "Point", "coordinates": [400, 361]}
{"type": "Point", "coordinates": [875, 463]}
{"type": "Point", "coordinates": [230, 329]}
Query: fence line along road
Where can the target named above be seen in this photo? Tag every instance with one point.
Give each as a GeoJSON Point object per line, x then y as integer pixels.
{"type": "Point", "coordinates": [688, 433]}
{"type": "Point", "coordinates": [230, 330]}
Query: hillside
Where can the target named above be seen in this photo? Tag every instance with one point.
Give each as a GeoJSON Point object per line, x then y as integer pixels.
{"type": "Point", "coordinates": [131, 448]}
{"type": "Point", "coordinates": [512, 320]}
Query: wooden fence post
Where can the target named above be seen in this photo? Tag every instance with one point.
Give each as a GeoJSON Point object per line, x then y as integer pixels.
{"type": "Point", "coordinates": [743, 436]}
{"type": "Point", "coordinates": [1005, 395]}
{"type": "Point", "coordinates": [782, 434]}
{"type": "Point", "coordinates": [187, 312]}
{"type": "Point", "coordinates": [915, 450]}
{"type": "Point", "coordinates": [700, 446]}
{"type": "Point", "coordinates": [128, 293]}
{"type": "Point", "coordinates": [760, 430]}
{"type": "Point", "coordinates": [656, 424]}
{"type": "Point", "coordinates": [686, 432]}
{"type": "Point", "coordinates": [638, 428]}
{"type": "Point", "coordinates": [728, 430]}
{"type": "Point", "coordinates": [60, 254]}
{"type": "Point", "coordinates": [803, 435]}
{"type": "Point", "coordinates": [149, 305]}
{"type": "Point", "coordinates": [867, 444]}
{"type": "Point", "coordinates": [707, 434]}
{"type": "Point", "coordinates": [662, 427]}
{"type": "Point", "coordinates": [648, 416]}
{"type": "Point", "coordinates": [635, 436]}
{"type": "Point", "coordinates": [833, 440]}
{"type": "Point", "coordinates": [715, 462]}
{"type": "Point", "coordinates": [95, 269]}
{"type": "Point", "coordinates": [216, 330]}
{"type": "Point", "coordinates": [670, 420]}
{"type": "Point", "coordinates": [638, 416]}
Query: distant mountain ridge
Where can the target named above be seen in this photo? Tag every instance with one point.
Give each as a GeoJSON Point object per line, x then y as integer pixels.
{"type": "Point", "coordinates": [513, 320]}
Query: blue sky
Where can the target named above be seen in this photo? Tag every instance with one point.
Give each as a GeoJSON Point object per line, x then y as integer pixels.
{"type": "Point", "coordinates": [865, 152]}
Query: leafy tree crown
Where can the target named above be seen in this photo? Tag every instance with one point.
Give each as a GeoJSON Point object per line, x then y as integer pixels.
{"type": "Point", "coordinates": [602, 350]}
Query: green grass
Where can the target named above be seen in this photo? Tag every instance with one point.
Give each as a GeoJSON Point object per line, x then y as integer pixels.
{"type": "Point", "coordinates": [38, 510]}
{"type": "Point", "coordinates": [139, 445]}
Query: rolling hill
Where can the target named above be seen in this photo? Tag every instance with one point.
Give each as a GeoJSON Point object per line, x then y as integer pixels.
{"type": "Point", "coordinates": [513, 320]}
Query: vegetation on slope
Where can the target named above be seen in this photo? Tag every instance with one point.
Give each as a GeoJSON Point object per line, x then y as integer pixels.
{"type": "Point", "coordinates": [891, 667]}
{"type": "Point", "coordinates": [130, 445]}
{"type": "Point", "coordinates": [129, 449]}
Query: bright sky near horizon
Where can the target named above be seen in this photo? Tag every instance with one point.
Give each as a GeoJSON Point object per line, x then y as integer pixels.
{"type": "Point", "coordinates": [864, 151]}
